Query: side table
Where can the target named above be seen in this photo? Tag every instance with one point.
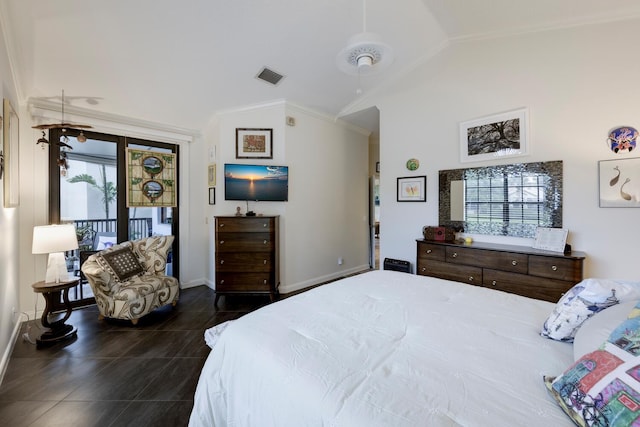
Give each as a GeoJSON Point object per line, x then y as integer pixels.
{"type": "Point", "coordinates": [51, 291]}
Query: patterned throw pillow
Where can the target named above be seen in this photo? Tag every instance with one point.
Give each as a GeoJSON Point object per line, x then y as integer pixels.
{"type": "Point", "coordinates": [603, 387]}
{"type": "Point", "coordinates": [121, 263]}
{"type": "Point", "coordinates": [584, 300]}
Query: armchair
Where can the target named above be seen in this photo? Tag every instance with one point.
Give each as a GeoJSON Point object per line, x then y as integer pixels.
{"type": "Point", "coordinates": [129, 280]}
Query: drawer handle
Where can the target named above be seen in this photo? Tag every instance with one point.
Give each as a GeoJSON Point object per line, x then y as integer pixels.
{"type": "Point", "coordinates": [424, 269]}
{"type": "Point", "coordinates": [428, 251]}
{"type": "Point", "coordinates": [221, 261]}
{"type": "Point", "coordinates": [265, 242]}
{"type": "Point", "coordinates": [264, 225]}
{"type": "Point", "coordinates": [455, 255]}
{"type": "Point", "coordinates": [471, 278]}
{"type": "Point", "coordinates": [221, 281]}
{"type": "Point", "coordinates": [494, 283]}
{"type": "Point", "coordinates": [514, 262]}
{"type": "Point", "coordinates": [221, 225]}
{"type": "Point", "coordinates": [264, 281]}
{"type": "Point", "coordinates": [264, 262]}
{"type": "Point", "coordinates": [222, 242]}
{"type": "Point", "coordinates": [554, 267]}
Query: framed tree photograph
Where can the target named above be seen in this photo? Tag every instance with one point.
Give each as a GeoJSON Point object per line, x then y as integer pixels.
{"type": "Point", "coordinates": [412, 189]}
{"type": "Point", "coordinates": [212, 196]}
{"type": "Point", "coordinates": [254, 143]}
{"type": "Point", "coordinates": [499, 135]}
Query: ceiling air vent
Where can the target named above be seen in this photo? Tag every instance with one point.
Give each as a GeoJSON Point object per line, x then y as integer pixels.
{"type": "Point", "coordinates": [270, 76]}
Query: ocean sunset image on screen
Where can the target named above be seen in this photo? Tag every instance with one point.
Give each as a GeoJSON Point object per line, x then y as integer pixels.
{"type": "Point", "coordinates": [256, 182]}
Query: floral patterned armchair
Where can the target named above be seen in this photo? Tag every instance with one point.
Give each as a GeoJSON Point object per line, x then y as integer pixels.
{"type": "Point", "coordinates": [129, 279]}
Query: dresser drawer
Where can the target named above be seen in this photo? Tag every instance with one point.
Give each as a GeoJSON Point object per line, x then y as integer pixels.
{"type": "Point", "coordinates": [244, 224]}
{"type": "Point", "coordinates": [245, 242]}
{"type": "Point", "coordinates": [528, 286]}
{"type": "Point", "coordinates": [556, 268]}
{"type": "Point", "coordinates": [244, 262]}
{"type": "Point", "coordinates": [427, 251]}
{"type": "Point", "coordinates": [244, 282]}
{"type": "Point", "coordinates": [507, 261]}
{"type": "Point", "coordinates": [445, 270]}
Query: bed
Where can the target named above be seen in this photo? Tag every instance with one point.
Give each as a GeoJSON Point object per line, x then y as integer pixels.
{"type": "Point", "coordinates": [384, 349]}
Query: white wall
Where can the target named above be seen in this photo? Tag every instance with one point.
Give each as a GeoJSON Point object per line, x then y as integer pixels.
{"type": "Point", "coordinates": [325, 217]}
{"type": "Point", "coordinates": [9, 234]}
{"type": "Point", "coordinates": [577, 83]}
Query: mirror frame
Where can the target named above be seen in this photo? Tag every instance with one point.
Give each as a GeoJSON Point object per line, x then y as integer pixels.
{"type": "Point", "coordinates": [553, 198]}
{"type": "Point", "coordinates": [11, 155]}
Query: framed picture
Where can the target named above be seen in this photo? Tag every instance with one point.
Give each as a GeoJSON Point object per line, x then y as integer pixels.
{"type": "Point", "coordinates": [499, 135]}
{"type": "Point", "coordinates": [254, 143]}
{"type": "Point", "coordinates": [377, 167]}
{"type": "Point", "coordinates": [10, 155]}
{"type": "Point", "coordinates": [412, 189]}
{"type": "Point", "coordinates": [619, 183]}
{"type": "Point", "coordinates": [551, 239]}
{"type": "Point", "coordinates": [212, 196]}
{"type": "Point", "coordinates": [211, 175]}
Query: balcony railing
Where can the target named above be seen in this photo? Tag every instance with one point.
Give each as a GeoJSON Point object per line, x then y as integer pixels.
{"type": "Point", "coordinates": [138, 228]}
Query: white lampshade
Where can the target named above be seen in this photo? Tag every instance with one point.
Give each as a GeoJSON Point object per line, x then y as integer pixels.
{"type": "Point", "coordinates": [54, 240]}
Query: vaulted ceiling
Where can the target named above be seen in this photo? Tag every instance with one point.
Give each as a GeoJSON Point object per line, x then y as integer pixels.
{"type": "Point", "coordinates": [179, 61]}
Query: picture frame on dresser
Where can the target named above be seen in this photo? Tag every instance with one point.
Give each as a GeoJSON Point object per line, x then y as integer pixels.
{"type": "Point", "coordinates": [412, 189]}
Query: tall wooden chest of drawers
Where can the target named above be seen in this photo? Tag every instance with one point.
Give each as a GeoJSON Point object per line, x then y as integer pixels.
{"type": "Point", "coordinates": [247, 255]}
{"type": "Point", "coordinates": [517, 269]}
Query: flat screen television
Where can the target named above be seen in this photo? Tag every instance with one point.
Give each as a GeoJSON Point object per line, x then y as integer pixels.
{"type": "Point", "coordinates": [256, 182]}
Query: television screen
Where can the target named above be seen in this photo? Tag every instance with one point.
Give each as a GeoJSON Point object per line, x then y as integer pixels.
{"type": "Point", "coordinates": [256, 182]}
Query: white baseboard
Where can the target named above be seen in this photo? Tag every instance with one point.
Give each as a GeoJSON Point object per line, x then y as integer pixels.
{"type": "Point", "coordinates": [292, 287]}
{"type": "Point", "coordinates": [4, 362]}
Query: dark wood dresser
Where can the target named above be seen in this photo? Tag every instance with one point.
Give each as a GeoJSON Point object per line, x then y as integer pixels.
{"type": "Point", "coordinates": [517, 269]}
{"type": "Point", "coordinates": [247, 255]}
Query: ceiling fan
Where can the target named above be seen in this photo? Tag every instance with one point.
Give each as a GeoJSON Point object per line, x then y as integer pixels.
{"type": "Point", "coordinates": [64, 126]}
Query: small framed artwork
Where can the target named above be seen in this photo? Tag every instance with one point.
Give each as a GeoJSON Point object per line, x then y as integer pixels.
{"type": "Point", "coordinates": [254, 143]}
{"type": "Point", "coordinates": [377, 167]}
{"type": "Point", "coordinates": [499, 135]}
{"type": "Point", "coordinates": [412, 189]}
{"type": "Point", "coordinates": [212, 196]}
{"type": "Point", "coordinates": [619, 183]}
{"type": "Point", "coordinates": [211, 175]}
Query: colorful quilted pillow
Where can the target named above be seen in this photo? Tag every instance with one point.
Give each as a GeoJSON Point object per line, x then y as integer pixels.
{"type": "Point", "coordinates": [603, 387]}
{"type": "Point", "coordinates": [584, 300]}
{"type": "Point", "coordinates": [121, 263]}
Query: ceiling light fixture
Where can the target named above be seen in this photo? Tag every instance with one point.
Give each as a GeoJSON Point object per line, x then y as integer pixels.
{"type": "Point", "coordinates": [365, 54]}
{"type": "Point", "coordinates": [62, 125]}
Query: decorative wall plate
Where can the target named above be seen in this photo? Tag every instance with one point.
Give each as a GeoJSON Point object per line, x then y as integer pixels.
{"type": "Point", "coordinates": [413, 164]}
{"type": "Point", "coordinates": [622, 138]}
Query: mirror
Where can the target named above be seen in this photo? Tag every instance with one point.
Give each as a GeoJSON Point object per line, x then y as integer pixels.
{"type": "Point", "coordinates": [503, 200]}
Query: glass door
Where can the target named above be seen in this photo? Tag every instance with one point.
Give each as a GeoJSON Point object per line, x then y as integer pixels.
{"type": "Point", "coordinates": [87, 175]}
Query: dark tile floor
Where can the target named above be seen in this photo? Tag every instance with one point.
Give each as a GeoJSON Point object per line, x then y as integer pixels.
{"type": "Point", "coordinates": [114, 373]}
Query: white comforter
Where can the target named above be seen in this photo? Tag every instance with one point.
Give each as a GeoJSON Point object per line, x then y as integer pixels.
{"type": "Point", "coordinates": [385, 349]}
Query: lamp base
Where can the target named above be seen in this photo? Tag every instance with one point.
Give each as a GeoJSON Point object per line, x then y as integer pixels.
{"type": "Point", "coordinates": [56, 334]}
{"type": "Point", "coordinates": [56, 268]}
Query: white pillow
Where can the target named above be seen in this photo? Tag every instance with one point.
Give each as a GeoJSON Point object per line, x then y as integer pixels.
{"type": "Point", "coordinates": [582, 301]}
{"type": "Point", "coordinates": [596, 329]}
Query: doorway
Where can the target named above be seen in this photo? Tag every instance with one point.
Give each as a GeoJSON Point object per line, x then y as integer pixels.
{"type": "Point", "coordinates": [88, 183]}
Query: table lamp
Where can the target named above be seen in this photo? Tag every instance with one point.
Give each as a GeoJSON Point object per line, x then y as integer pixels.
{"type": "Point", "coordinates": [54, 240]}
